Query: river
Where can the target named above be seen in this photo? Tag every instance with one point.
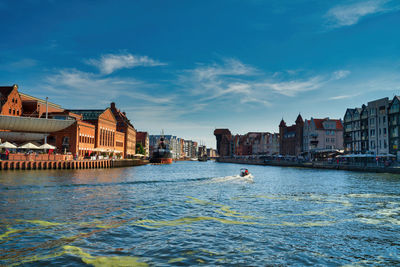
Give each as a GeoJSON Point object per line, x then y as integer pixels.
{"type": "Point", "coordinates": [199, 213]}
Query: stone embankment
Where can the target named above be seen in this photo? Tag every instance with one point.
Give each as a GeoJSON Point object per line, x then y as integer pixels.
{"type": "Point", "coordinates": [316, 165]}
{"type": "Point", "coordinates": [69, 164]}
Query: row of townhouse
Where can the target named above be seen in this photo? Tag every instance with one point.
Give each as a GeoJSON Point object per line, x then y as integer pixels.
{"type": "Point", "coordinates": [306, 137]}
{"type": "Point", "coordinates": [252, 143]}
{"type": "Point", "coordinates": [373, 128]}
{"type": "Point", "coordinates": [302, 138]}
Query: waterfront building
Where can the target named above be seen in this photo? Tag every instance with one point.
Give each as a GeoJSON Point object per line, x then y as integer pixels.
{"type": "Point", "coordinates": [264, 143]}
{"type": "Point", "coordinates": [15, 126]}
{"type": "Point", "coordinates": [224, 142]}
{"type": "Point", "coordinates": [190, 149]}
{"type": "Point", "coordinates": [125, 126]}
{"type": "Point", "coordinates": [364, 129]}
{"type": "Point", "coordinates": [106, 128]}
{"type": "Point", "coordinates": [378, 126]}
{"type": "Point", "coordinates": [36, 107]}
{"type": "Point", "coordinates": [78, 139]}
{"type": "Point", "coordinates": [352, 130]}
{"type": "Point", "coordinates": [211, 153]}
{"type": "Point", "coordinates": [322, 134]}
{"type": "Point", "coordinates": [394, 125]}
{"type": "Point", "coordinates": [182, 146]}
{"type": "Point", "coordinates": [10, 101]}
{"type": "Point", "coordinates": [143, 139]}
{"type": "Point", "coordinates": [291, 137]}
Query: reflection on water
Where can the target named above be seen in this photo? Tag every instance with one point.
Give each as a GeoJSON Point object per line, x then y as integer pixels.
{"type": "Point", "coordinates": [193, 213]}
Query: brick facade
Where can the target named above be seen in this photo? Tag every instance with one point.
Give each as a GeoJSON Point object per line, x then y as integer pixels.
{"type": "Point", "coordinates": [124, 125]}
{"type": "Point", "coordinates": [10, 101]}
{"type": "Point", "coordinates": [291, 137]}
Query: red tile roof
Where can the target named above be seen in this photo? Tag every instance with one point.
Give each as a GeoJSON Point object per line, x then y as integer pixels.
{"type": "Point", "coordinates": [319, 125]}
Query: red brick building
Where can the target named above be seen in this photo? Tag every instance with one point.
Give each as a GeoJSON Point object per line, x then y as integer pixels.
{"type": "Point", "coordinates": [291, 137]}
{"type": "Point", "coordinates": [78, 139]}
{"type": "Point", "coordinates": [10, 101]}
{"type": "Point", "coordinates": [36, 107]}
{"type": "Point", "coordinates": [125, 126]}
{"type": "Point", "coordinates": [106, 128]}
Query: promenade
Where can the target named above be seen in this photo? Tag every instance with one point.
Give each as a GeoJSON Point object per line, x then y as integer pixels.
{"type": "Point", "coordinates": [68, 164]}
{"type": "Point", "coordinates": [359, 167]}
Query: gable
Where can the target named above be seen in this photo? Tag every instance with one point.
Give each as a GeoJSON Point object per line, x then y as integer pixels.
{"type": "Point", "coordinates": [108, 115]}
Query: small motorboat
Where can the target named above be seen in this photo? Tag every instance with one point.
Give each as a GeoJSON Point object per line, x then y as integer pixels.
{"type": "Point", "coordinates": [244, 173]}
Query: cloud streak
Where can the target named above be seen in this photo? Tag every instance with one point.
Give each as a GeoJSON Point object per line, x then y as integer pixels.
{"type": "Point", "coordinates": [346, 15]}
{"type": "Point", "coordinates": [110, 63]}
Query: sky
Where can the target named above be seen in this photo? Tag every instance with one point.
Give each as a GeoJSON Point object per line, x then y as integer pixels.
{"type": "Point", "coordinates": [188, 67]}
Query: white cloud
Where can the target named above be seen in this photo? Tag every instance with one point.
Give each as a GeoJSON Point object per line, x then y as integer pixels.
{"type": "Point", "coordinates": [109, 63]}
{"type": "Point", "coordinates": [83, 86]}
{"type": "Point", "coordinates": [240, 83]}
{"type": "Point", "coordinates": [340, 74]}
{"type": "Point", "coordinates": [339, 97]}
{"type": "Point", "coordinates": [346, 15]}
{"type": "Point", "coordinates": [294, 87]}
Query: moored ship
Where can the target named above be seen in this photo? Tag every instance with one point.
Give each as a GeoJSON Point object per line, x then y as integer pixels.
{"type": "Point", "coordinates": [162, 154]}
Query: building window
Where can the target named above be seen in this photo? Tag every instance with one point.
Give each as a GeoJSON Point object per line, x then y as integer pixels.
{"type": "Point", "coordinates": [9, 110]}
{"type": "Point", "coordinates": [13, 111]}
{"type": "Point", "coordinates": [17, 111]}
{"type": "Point", "coordinates": [333, 140]}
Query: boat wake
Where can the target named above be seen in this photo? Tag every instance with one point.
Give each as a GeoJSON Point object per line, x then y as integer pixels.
{"type": "Point", "coordinates": [232, 178]}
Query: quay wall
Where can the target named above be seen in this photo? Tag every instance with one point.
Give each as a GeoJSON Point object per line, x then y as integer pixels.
{"type": "Point", "coordinates": [315, 165]}
{"type": "Point", "coordinates": [68, 164]}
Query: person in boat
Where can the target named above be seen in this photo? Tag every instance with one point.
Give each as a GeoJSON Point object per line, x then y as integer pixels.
{"type": "Point", "coordinates": [244, 172]}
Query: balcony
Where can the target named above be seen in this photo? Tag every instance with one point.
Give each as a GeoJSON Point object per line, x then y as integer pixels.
{"type": "Point", "coordinates": [314, 142]}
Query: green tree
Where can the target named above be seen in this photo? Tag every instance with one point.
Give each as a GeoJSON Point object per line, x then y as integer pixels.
{"type": "Point", "coordinates": [140, 149]}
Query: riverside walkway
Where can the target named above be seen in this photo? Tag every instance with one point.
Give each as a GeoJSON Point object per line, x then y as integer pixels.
{"type": "Point", "coordinates": [317, 165]}
{"type": "Point", "coordinates": [68, 164]}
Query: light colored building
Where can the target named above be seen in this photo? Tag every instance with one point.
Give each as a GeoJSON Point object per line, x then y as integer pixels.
{"type": "Point", "coordinates": [378, 126]}
{"type": "Point", "coordinates": [322, 134]}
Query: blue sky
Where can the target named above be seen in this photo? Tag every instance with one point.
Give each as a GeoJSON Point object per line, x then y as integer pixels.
{"type": "Point", "coordinates": [188, 67]}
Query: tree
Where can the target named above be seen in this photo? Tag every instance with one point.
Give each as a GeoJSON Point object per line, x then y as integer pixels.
{"type": "Point", "coordinates": [140, 149]}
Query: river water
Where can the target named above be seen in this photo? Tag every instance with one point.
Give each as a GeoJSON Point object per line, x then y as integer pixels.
{"type": "Point", "coordinates": [199, 213]}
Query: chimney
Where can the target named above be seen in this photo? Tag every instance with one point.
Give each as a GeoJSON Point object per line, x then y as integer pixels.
{"type": "Point", "coordinates": [112, 105]}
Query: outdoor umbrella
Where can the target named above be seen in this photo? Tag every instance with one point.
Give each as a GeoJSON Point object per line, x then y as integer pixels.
{"type": "Point", "coordinates": [47, 146]}
{"type": "Point", "coordinates": [29, 146]}
{"type": "Point", "coordinates": [7, 145]}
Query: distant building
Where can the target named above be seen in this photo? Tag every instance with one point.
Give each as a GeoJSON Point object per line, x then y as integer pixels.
{"type": "Point", "coordinates": [143, 139]}
{"type": "Point", "coordinates": [322, 134]}
{"type": "Point", "coordinates": [291, 137]}
{"type": "Point", "coordinates": [172, 143]}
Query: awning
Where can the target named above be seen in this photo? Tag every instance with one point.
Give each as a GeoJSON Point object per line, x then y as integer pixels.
{"type": "Point", "coordinates": [7, 145]}
{"type": "Point", "coordinates": [47, 146]}
{"type": "Point", "coordinates": [29, 146]}
{"type": "Point", "coordinates": [28, 124]}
